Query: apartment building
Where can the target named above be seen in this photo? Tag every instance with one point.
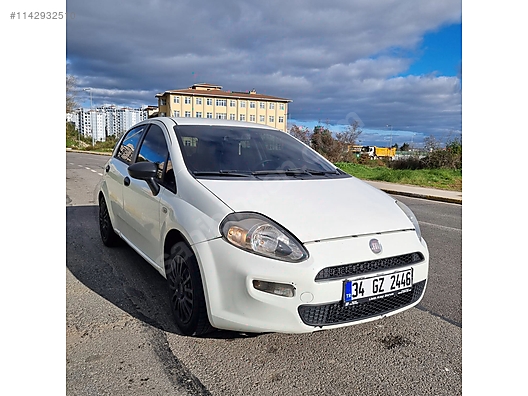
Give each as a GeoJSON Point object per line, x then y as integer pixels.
{"type": "Point", "coordinates": [209, 101]}
{"type": "Point", "coordinates": [106, 120]}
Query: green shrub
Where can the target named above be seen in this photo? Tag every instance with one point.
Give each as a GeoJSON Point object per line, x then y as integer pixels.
{"type": "Point", "coordinates": [412, 163]}
{"type": "Point", "coordinates": [448, 158]}
{"type": "Point", "coordinates": [442, 159]}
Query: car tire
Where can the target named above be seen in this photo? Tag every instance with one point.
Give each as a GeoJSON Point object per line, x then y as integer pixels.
{"type": "Point", "coordinates": [187, 297]}
{"type": "Point", "coordinates": [108, 235]}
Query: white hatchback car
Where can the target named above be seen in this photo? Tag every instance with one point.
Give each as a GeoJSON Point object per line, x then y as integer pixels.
{"type": "Point", "coordinates": [256, 232]}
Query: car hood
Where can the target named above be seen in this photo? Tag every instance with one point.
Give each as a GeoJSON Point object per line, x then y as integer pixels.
{"type": "Point", "coordinates": [314, 209]}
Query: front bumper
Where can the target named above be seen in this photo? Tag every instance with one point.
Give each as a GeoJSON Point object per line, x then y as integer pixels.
{"type": "Point", "coordinates": [233, 303]}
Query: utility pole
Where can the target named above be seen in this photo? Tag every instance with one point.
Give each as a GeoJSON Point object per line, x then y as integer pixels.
{"type": "Point", "coordinates": [388, 125]}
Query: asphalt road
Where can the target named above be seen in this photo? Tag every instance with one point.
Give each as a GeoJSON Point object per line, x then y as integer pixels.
{"type": "Point", "coordinates": [121, 339]}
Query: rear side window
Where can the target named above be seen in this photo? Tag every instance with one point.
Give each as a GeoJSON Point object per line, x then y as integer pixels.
{"type": "Point", "coordinates": [128, 146]}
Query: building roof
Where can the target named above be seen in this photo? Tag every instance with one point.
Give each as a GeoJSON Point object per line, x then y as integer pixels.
{"type": "Point", "coordinates": [203, 89]}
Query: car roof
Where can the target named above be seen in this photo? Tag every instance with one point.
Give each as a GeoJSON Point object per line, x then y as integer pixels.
{"type": "Point", "coordinates": [212, 121]}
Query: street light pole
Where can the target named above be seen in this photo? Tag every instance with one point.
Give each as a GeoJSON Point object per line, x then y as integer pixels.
{"type": "Point", "coordinates": [91, 105]}
{"type": "Point", "coordinates": [390, 135]}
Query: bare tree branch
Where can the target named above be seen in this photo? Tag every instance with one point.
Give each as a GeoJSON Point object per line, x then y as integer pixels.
{"type": "Point", "coordinates": [71, 93]}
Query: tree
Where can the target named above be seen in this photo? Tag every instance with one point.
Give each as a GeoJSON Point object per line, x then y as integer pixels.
{"type": "Point", "coordinates": [431, 144]}
{"type": "Point", "coordinates": [350, 135]}
{"type": "Point", "coordinates": [71, 93]}
{"type": "Point", "coordinates": [316, 139]}
{"type": "Point", "coordinates": [454, 146]}
{"type": "Point", "coordinates": [324, 143]}
{"type": "Point", "coordinates": [450, 158]}
{"type": "Point", "coordinates": [346, 140]}
{"type": "Point", "coordinates": [301, 133]}
{"type": "Point", "coordinates": [405, 147]}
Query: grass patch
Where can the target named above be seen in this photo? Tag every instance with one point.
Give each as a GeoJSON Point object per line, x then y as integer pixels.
{"type": "Point", "coordinates": [444, 179]}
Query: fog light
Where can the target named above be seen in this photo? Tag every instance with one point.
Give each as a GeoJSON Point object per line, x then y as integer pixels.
{"type": "Point", "coordinates": [280, 289]}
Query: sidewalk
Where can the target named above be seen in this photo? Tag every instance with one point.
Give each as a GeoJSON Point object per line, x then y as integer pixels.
{"type": "Point", "coordinates": [418, 192]}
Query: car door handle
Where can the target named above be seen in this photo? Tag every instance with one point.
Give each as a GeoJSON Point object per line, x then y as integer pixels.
{"type": "Point", "coordinates": [107, 168]}
{"type": "Point", "coordinates": [126, 181]}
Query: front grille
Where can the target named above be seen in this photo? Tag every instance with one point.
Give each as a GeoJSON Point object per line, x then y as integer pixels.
{"type": "Point", "coordinates": [347, 270]}
{"type": "Point", "coordinates": [337, 312]}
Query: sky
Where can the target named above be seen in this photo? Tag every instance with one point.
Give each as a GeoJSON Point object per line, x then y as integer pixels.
{"type": "Point", "coordinates": [393, 66]}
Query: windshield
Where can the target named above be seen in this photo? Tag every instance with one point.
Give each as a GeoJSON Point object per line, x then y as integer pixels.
{"type": "Point", "coordinates": [238, 152]}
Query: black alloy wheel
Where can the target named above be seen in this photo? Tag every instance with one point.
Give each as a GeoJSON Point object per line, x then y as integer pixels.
{"type": "Point", "coordinates": [109, 237]}
{"type": "Point", "coordinates": [186, 291]}
{"type": "Point", "coordinates": [181, 287]}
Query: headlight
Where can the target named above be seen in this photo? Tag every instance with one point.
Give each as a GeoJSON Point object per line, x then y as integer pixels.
{"type": "Point", "coordinates": [411, 217]}
{"type": "Point", "coordinates": [257, 234]}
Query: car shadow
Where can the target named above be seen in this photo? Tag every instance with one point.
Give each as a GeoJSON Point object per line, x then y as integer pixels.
{"type": "Point", "coordinates": [120, 275]}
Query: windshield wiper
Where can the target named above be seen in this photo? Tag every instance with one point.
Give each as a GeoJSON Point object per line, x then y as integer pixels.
{"type": "Point", "coordinates": [295, 171]}
{"type": "Point", "coordinates": [287, 172]}
{"type": "Point", "coordinates": [321, 172]}
{"type": "Point", "coordinates": [221, 173]}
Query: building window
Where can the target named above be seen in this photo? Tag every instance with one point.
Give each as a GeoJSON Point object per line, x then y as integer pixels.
{"type": "Point", "coordinates": [187, 100]}
{"type": "Point", "coordinates": [242, 117]}
{"type": "Point", "coordinates": [198, 114]}
{"type": "Point", "coordinates": [176, 113]}
{"type": "Point", "coordinates": [252, 105]}
{"type": "Point", "coordinates": [252, 118]}
{"type": "Point", "coordinates": [163, 102]}
{"type": "Point", "coordinates": [281, 106]}
{"type": "Point", "coordinates": [232, 117]}
{"type": "Point", "coordinates": [176, 99]}
{"type": "Point", "coordinates": [187, 114]}
{"type": "Point", "coordinates": [272, 106]}
{"type": "Point", "coordinates": [262, 105]}
{"type": "Point", "coordinates": [271, 119]}
{"type": "Point", "coordinates": [262, 118]}
{"type": "Point", "coordinates": [209, 115]}
{"type": "Point", "coordinates": [281, 119]}
{"type": "Point", "coordinates": [221, 102]}
{"type": "Point", "coordinates": [209, 102]}
{"type": "Point", "coordinates": [198, 101]}
{"type": "Point", "coordinates": [243, 103]}
{"type": "Point", "coordinates": [221, 116]}
{"type": "Point", "coordinates": [232, 103]}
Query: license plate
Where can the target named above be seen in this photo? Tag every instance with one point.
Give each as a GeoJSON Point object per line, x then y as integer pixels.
{"type": "Point", "coordinates": [377, 287]}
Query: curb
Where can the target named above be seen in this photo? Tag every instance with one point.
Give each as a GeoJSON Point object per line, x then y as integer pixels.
{"type": "Point", "coordinates": [69, 150]}
{"type": "Point", "coordinates": [423, 196]}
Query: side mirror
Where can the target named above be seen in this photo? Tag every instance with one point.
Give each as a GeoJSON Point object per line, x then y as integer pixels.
{"type": "Point", "coordinates": [146, 171]}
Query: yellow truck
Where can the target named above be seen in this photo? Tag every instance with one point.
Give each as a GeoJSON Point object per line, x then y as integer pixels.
{"type": "Point", "coordinates": [375, 152]}
{"type": "Point", "coordinates": [382, 152]}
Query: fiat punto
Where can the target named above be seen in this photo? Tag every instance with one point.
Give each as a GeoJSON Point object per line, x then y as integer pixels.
{"type": "Point", "coordinates": [256, 232]}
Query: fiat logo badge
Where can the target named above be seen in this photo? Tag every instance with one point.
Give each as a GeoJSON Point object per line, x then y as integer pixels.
{"type": "Point", "coordinates": [375, 246]}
